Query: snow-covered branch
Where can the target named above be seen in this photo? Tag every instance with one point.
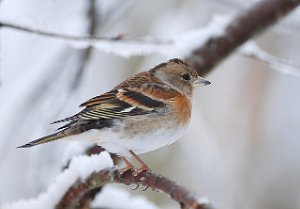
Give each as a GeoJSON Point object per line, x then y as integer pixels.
{"type": "Point", "coordinates": [204, 48]}
{"type": "Point", "coordinates": [88, 40]}
{"type": "Point", "coordinates": [246, 25]}
{"type": "Point", "coordinates": [96, 180]}
{"type": "Point", "coordinates": [88, 174]}
{"type": "Point", "coordinates": [252, 50]}
{"type": "Point", "coordinates": [120, 45]}
{"type": "Point", "coordinates": [178, 46]}
{"type": "Point", "coordinates": [80, 168]}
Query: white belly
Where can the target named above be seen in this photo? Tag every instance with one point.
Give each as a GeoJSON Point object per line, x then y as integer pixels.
{"type": "Point", "coordinates": [140, 143]}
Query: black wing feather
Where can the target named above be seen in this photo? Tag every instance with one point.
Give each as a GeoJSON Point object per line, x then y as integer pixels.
{"type": "Point", "coordinates": [109, 106]}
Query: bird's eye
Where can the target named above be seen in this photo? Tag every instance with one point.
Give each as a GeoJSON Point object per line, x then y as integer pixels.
{"type": "Point", "coordinates": [186, 76]}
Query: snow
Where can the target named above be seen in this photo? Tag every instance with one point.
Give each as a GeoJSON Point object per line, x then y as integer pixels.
{"type": "Point", "coordinates": [75, 148]}
{"type": "Point", "coordinates": [283, 66]}
{"type": "Point", "coordinates": [191, 40]}
{"type": "Point", "coordinates": [177, 46]}
{"type": "Point", "coordinates": [80, 167]}
{"type": "Point", "coordinates": [204, 200]}
{"type": "Point", "coordinates": [125, 200]}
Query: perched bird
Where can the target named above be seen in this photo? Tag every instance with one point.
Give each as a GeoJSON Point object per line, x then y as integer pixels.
{"type": "Point", "coordinates": [143, 113]}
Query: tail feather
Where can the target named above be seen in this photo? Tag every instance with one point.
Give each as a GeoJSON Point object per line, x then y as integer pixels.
{"type": "Point", "coordinates": [72, 118]}
{"type": "Point", "coordinates": [44, 139]}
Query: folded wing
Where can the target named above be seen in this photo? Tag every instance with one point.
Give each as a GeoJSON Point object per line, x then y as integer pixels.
{"type": "Point", "coordinates": [115, 104]}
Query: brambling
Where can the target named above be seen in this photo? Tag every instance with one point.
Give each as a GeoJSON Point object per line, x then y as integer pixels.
{"type": "Point", "coordinates": [143, 113]}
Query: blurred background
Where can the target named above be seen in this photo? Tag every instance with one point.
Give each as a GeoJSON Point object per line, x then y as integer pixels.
{"type": "Point", "coordinates": [242, 148]}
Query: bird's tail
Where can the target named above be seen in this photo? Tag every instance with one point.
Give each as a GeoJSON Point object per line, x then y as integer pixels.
{"type": "Point", "coordinates": [45, 139]}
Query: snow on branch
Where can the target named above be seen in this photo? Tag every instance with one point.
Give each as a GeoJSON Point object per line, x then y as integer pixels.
{"type": "Point", "coordinates": [116, 45]}
{"type": "Point", "coordinates": [180, 45]}
{"type": "Point", "coordinates": [90, 173]}
{"type": "Point", "coordinates": [80, 168]}
{"type": "Point", "coordinates": [150, 179]}
{"type": "Point", "coordinates": [109, 193]}
{"type": "Point", "coordinates": [252, 50]}
{"type": "Point", "coordinates": [243, 27]}
{"type": "Point", "coordinates": [204, 48]}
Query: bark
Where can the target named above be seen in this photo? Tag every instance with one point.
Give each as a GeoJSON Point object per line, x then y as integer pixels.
{"type": "Point", "coordinates": [246, 25]}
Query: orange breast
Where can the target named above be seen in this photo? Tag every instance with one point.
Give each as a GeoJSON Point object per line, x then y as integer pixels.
{"type": "Point", "coordinates": [181, 104]}
{"type": "Point", "coordinates": [183, 109]}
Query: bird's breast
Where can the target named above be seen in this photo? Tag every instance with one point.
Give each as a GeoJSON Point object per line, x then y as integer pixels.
{"type": "Point", "coordinates": [182, 107]}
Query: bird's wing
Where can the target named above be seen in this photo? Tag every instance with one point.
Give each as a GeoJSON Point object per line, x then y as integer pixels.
{"type": "Point", "coordinates": [118, 103]}
{"type": "Point", "coordinates": [138, 95]}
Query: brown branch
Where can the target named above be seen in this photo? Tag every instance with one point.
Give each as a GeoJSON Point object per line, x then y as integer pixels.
{"type": "Point", "coordinates": [87, 39]}
{"type": "Point", "coordinates": [56, 35]}
{"type": "Point", "coordinates": [245, 26]}
{"type": "Point", "coordinates": [72, 198]}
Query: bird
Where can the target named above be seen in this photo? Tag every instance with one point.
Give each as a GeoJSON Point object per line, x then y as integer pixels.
{"type": "Point", "coordinates": [147, 111]}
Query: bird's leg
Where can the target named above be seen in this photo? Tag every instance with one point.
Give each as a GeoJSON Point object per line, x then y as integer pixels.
{"type": "Point", "coordinates": [128, 167]}
{"type": "Point", "coordinates": [143, 167]}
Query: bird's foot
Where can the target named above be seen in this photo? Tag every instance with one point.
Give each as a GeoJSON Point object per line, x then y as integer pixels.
{"type": "Point", "coordinates": [143, 168]}
{"type": "Point", "coordinates": [128, 168]}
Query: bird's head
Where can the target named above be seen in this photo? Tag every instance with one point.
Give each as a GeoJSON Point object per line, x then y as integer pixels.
{"type": "Point", "coordinates": [179, 75]}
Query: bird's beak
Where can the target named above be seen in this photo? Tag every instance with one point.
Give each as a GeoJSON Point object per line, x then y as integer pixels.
{"type": "Point", "coordinates": [201, 82]}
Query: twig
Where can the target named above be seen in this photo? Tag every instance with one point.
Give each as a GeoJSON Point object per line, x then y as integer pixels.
{"type": "Point", "coordinates": [245, 26]}
{"type": "Point", "coordinates": [88, 39]}
{"type": "Point", "coordinates": [73, 196]}
{"type": "Point", "coordinates": [87, 52]}
{"type": "Point", "coordinates": [252, 50]}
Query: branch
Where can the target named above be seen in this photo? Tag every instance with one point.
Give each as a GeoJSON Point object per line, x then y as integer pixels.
{"type": "Point", "coordinates": [248, 24]}
{"type": "Point", "coordinates": [252, 50]}
{"type": "Point", "coordinates": [72, 198]}
{"type": "Point", "coordinates": [88, 40]}
{"type": "Point", "coordinates": [55, 35]}
{"type": "Point", "coordinates": [87, 52]}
